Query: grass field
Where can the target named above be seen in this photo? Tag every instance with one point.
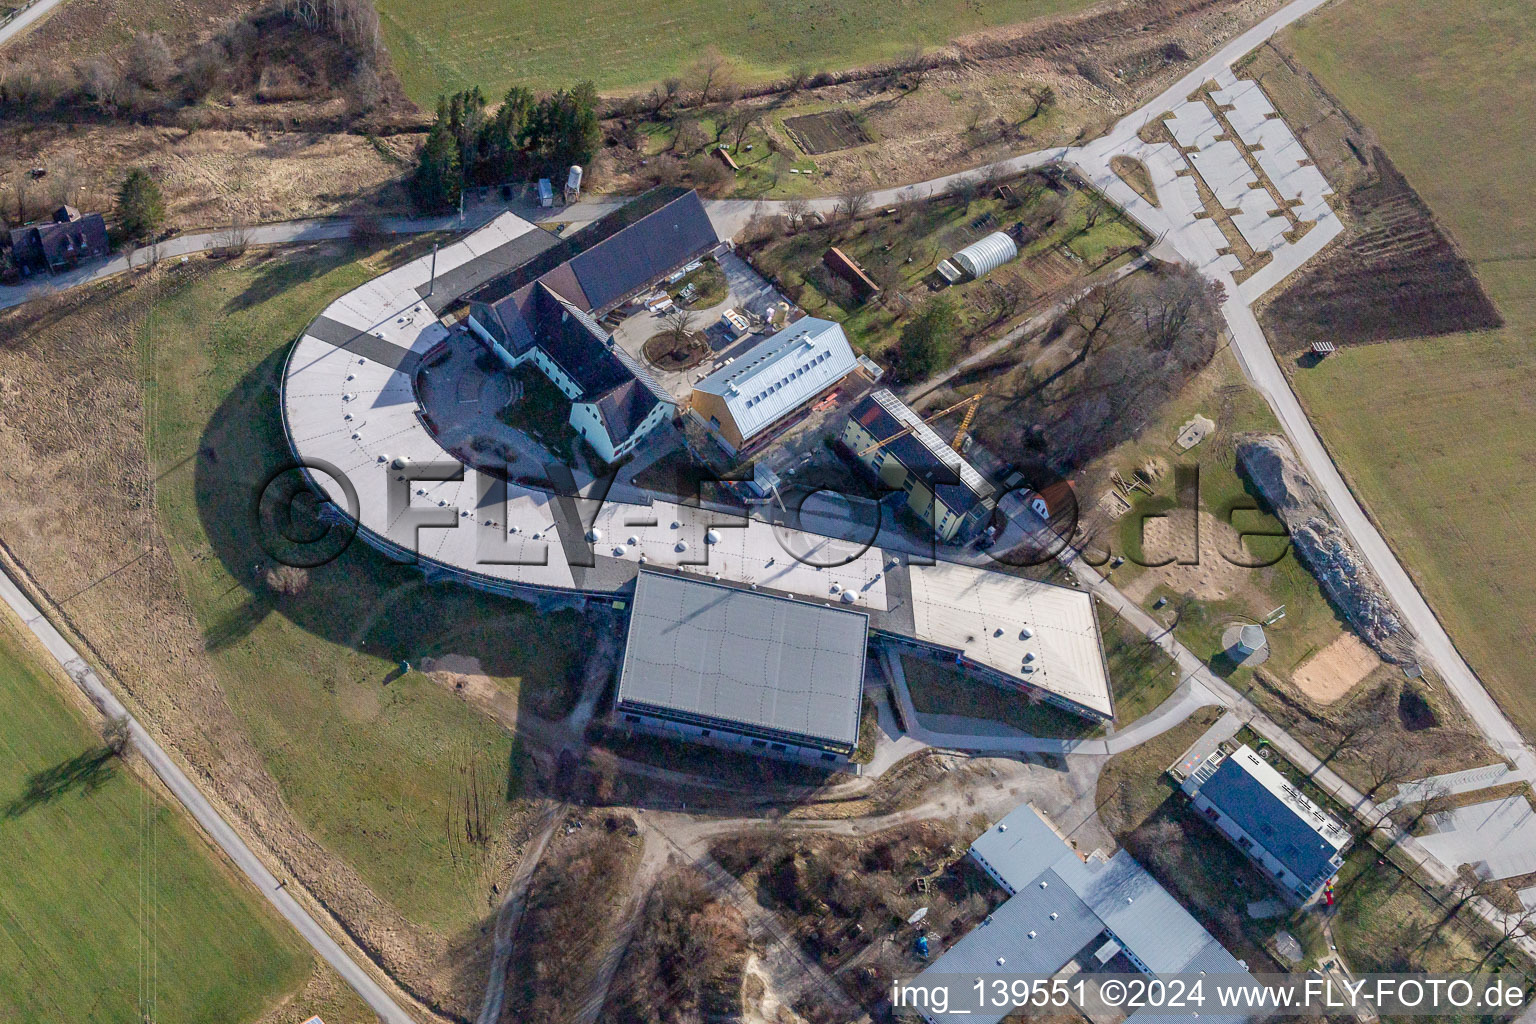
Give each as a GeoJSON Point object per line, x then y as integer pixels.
{"type": "Point", "coordinates": [440, 46]}
{"type": "Point", "coordinates": [375, 763]}
{"type": "Point", "coordinates": [111, 910]}
{"type": "Point", "coordinates": [1437, 435]}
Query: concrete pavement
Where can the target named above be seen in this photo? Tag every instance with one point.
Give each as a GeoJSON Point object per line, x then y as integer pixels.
{"type": "Point", "coordinates": [185, 791]}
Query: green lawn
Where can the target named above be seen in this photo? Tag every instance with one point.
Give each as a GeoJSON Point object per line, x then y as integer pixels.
{"type": "Point", "coordinates": [1438, 436]}
{"type": "Point", "coordinates": [111, 909]}
{"type": "Point", "coordinates": [375, 766]}
{"type": "Point", "coordinates": [440, 46]}
{"type": "Point", "coordinates": [911, 244]}
{"type": "Point", "coordinates": [939, 688]}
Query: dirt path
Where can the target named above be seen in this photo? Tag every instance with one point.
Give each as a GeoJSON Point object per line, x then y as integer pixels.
{"type": "Point", "coordinates": [512, 913]}
{"type": "Point", "coordinates": [570, 749]}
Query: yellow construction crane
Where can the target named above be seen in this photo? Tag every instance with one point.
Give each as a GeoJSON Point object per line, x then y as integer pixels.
{"type": "Point", "coordinates": [965, 422]}
{"type": "Point", "coordinates": [974, 402]}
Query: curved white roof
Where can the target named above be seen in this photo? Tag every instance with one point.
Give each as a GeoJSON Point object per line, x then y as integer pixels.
{"type": "Point", "coordinates": [981, 258]}
{"type": "Point", "coordinates": [351, 417]}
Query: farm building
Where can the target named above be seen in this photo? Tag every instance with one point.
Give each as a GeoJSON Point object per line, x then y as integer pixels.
{"type": "Point", "coordinates": [741, 402]}
{"type": "Point", "coordinates": [847, 268]}
{"type": "Point", "coordinates": [66, 241]}
{"type": "Point", "coordinates": [1264, 814]}
{"type": "Point", "coordinates": [1095, 916]}
{"type": "Point", "coordinates": [943, 489]}
{"type": "Point", "coordinates": [545, 311]}
{"type": "Point", "coordinates": [743, 669]}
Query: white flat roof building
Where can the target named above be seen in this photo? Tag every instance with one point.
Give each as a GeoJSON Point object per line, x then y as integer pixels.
{"type": "Point", "coordinates": [353, 420]}
{"type": "Point", "coordinates": [1048, 636]}
{"type": "Point", "coordinates": [773, 379]}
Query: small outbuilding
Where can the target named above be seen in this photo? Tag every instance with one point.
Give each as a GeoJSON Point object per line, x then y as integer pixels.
{"type": "Point", "coordinates": [847, 268]}
{"type": "Point", "coordinates": [980, 258]}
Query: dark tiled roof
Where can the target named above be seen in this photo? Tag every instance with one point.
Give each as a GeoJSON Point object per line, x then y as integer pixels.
{"type": "Point", "coordinates": [38, 246]}
{"type": "Point", "coordinates": [939, 478]}
{"type": "Point", "coordinates": [608, 259]}
{"type": "Point", "coordinates": [623, 391]}
{"type": "Point", "coordinates": [1269, 820]}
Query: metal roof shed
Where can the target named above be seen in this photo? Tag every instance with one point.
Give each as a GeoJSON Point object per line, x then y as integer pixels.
{"type": "Point", "coordinates": [981, 258]}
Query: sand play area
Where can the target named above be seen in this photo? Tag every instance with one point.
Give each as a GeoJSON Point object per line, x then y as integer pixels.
{"type": "Point", "coordinates": [1333, 671]}
{"type": "Point", "coordinates": [1212, 577]}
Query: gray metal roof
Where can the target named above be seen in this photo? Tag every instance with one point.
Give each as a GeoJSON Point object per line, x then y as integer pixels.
{"type": "Point", "coordinates": [1020, 846]}
{"type": "Point", "coordinates": [742, 658]}
{"type": "Point", "coordinates": [781, 373]}
{"type": "Point", "coordinates": [1088, 897]}
{"type": "Point", "coordinates": [1007, 935]}
{"type": "Point", "coordinates": [1144, 917]}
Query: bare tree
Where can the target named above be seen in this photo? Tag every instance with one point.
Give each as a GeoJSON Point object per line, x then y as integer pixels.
{"type": "Point", "coordinates": [103, 82]}
{"type": "Point", "coordinates": [1388, 764]}
{"type": "Point", "coordinates": [799, 76]}
{"type": "Point", "coordinates": [1097, 312]}
{"type": "Point", "coordinates": [795, 210]}
{"type": "Point", "coordinates": [1097, 207]}
{"type": "Point", "coordinates": [741, 122]}
{"type": "Point", "coordinates": [118, 735]}
{"type": "Point", "coordinates": [851, 204]}
{"type": "Point", "coordinates": [1176, 304]}
{"type": "Point", "coordinates": [688, 136]}
{"type": "Point", "coordinates": [1040, 97]}
{"type": "Point", "coordinates": [679, 323]}
{"type": "Point", "coordinates": [710, 72]}
{"type": "Point", "coordinates": [365, 90]}
{"type": "Point", "coordinates": [913, 65]}
{"type": "Point", "coordinates": [235, 238]}
{"type": "Point", "coordinates": [149, 60]}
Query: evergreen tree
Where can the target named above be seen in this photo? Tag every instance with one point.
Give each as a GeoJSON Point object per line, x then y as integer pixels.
{"type": "Point", "coordinates": [439, 177]}
{"type": "Point", "coordinates": [140, 206]}
{"type": "Point", "coordinates": [502, 139]}
{"type": "Point", "coordinates": [927, 342]}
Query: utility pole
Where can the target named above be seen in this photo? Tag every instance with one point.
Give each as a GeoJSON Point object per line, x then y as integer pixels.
{"type": "Point", "coordinates": [432, 282]}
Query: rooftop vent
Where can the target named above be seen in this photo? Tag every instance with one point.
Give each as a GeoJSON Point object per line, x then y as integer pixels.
{"type": "Point", "coordinates": [1031, 933]}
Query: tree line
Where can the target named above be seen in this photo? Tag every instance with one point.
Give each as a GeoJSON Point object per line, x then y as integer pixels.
{"type": "Point", "coordinates": [524, 137]}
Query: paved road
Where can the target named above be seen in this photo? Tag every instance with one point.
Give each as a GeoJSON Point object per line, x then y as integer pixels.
{"type": "Point", "coordinates": [183, 788]}
{"type": "Point", "coordinates": [1253, 351]}
{"type": "Point", "coordinates": [26, 19]}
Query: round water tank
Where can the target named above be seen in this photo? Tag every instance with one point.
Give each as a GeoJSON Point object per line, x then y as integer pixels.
{"type": "Point", "coordinates": [981, 258]}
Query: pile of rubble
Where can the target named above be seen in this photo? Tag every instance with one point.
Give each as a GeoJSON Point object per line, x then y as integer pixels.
{"type": "Point", "coordinates": [1269, 463]}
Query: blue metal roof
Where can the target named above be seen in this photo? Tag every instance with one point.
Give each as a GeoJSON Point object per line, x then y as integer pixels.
{"type": "Point", "coordinates": [1271, 822]}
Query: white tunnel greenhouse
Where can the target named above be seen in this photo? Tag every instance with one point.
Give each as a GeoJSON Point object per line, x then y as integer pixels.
{"type": "Point", "coordinates": [981, 258]}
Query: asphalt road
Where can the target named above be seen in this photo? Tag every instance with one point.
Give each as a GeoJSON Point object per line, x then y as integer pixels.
{"type": "Point", "coordinates": [186, 791]}
{"type": "Point", "coordinates": [26, 19]}
{"type": "Point", "coordinates": [1253, 351]}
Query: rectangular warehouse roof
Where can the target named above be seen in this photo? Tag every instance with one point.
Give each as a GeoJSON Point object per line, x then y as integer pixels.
{"type": "Point", "coordinates": [1062, 907]}
{"type": "Point", "coordinates": [984, 615]}
{"type": "Point", "coordinates": [1270, 808]}
{"type": "Point", "coordinates": [712, 653]}
{"type": "Point", "coordinates": [781, 373]}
